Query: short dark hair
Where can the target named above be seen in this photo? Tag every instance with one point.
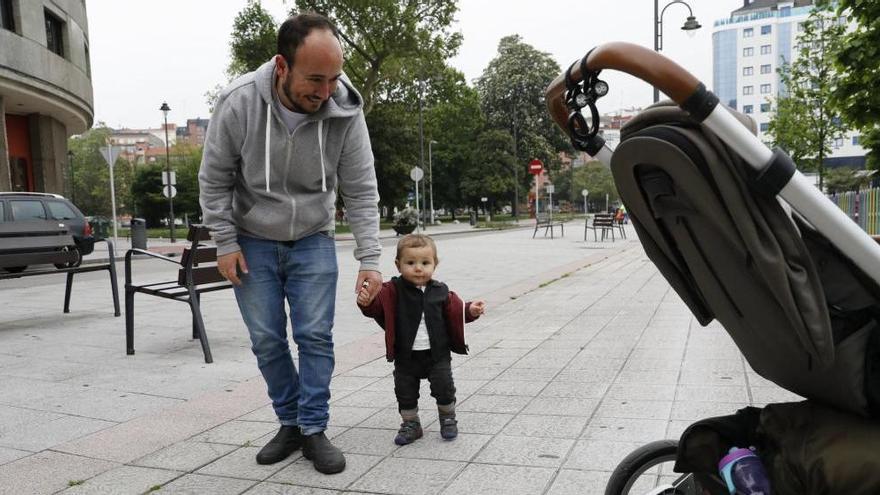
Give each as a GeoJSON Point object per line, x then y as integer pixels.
{"type": "Point", "coordinates": [295, 29]}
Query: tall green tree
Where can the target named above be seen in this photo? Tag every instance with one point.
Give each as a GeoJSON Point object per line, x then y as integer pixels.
{"type": "Point", "coordinates": [806, 122]}
{"type": "Point", "coordinates": [492, 178]}
{"type": "Point", "coordinates": [391, 44]}
{"type": "Point", "coordinates": [858, 60]}
{"type": "Point", "coordinates": [253, 41]}
{"type": "Point", "coordinates": [511, 91]}
{"type": "Point", "coordinates": [90, 175]}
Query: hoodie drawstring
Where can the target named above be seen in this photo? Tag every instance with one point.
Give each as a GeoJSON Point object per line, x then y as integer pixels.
{"type": "Point", "coordinates": [321, 151]}
{"type": "Point", "coordinates": [268, 140]}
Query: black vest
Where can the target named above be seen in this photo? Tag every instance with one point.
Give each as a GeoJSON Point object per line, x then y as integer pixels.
{"type": "Point", "coordinates": [411, 304]}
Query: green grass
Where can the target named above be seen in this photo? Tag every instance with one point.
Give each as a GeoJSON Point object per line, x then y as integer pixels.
{"type": "Point", "coordinates": [75, 482]}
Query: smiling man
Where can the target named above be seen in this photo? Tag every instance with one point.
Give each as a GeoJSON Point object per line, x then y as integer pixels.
{"type": "Point", "coordinates": [280, 142]}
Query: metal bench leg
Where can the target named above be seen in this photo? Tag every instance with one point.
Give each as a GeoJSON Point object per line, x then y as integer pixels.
{"type": "Point", "coordinates": [200, 324]}
{"type": "Point", "coordinates": [195, 323]}
{"type": "Point", "coordinates": [129, 321]}
{"type": "Point", "coordinates": [114, 284]}
{"type": "Point", "coordinates": [535, 232]}
{"type": "Point", "coordinates": [67, 291]}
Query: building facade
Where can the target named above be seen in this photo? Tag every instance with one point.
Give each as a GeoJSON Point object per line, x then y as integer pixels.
{"type": "Point", "coordinates": [748, 48]}
{"type": "Point", "coordinates": [45, 91]}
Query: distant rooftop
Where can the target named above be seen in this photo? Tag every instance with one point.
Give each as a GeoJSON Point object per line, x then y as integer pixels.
{"type": "Point", "coordinates": [753, 5]}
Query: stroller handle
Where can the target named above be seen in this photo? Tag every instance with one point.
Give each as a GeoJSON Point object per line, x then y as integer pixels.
{"type": "Point", "coordinates": [636, 60]}
{"type": "Point", "coordinates": [776, 171]}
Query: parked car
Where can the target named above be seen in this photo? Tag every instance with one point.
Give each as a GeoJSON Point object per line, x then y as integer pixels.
{"type": "Point", "coordinates": [26, 213]}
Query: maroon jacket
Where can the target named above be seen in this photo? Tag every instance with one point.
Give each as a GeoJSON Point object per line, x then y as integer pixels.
{"type": "Point", "coordinates": [383, 309]}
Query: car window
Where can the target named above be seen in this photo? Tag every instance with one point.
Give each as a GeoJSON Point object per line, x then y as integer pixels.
{"type": "Point", "coordinates": [27, 209]}
{"type": "Point", "coordinates": [2, 212]}
{"type": "Point", "coordinates": [60, 211]}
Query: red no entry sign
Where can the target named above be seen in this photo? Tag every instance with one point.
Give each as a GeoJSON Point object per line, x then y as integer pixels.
{"type": "Point", "coordinates": [536, 167]}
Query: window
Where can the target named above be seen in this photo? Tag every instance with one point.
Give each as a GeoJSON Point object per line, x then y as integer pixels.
{"type": "Point", "coordinates": [766, 29]}
{"type": "Point", "coordinates": [3, 210]}
{"type": "Point", "coordinates": [60, 211]}
{"type": "Point", "coordinates": [54, 33]}
{"type": "Point", "coordinates": [748, 71]}
{"type": "Point", "coordinates": [785, 12]}
{"type": "Point", "coordinates": [765, 89]}
{"type": "Point", "coordinates": [766, 50]}
{"type": "Point", "coordinates": [855, 142]}
{"type": "Point", "coordinates": [748, 90]}
{"type": "Point", "coordinates": [838, 142]}
{"type": "Point", "coordinates": [765, 107]}
{"type": "Point", "coordinates": [7, 21]}
{"type": "Point", "coordinates": [88, 60]}
{"type": "Point", "coordinates": [765, 127]}
{"type": "Point", "coordinates": [747, 109]}
{"type": "Point", "coordinates": [748, 32]}
{"type": "Point", "coordinates": [28, 209]}
{"type": "Point", "coordinates": [765, 69]}
{"type": "Point", "coordinates": [748, 51]}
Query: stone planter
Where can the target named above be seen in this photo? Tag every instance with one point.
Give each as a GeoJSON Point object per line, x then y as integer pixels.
{"type": "Point", "coordinates": [404, 229]}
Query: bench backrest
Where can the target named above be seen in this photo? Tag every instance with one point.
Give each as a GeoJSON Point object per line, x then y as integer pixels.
{"type": "Point", "coordinates": [603, 220]}
{"type": "Point", "coordinates": [199, 260]}
{"type": "Point", "coordinates": [542, 218]}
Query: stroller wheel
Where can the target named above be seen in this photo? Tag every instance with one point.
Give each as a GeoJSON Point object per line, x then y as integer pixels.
{"type": "Point", "coordinates": [634, 474]}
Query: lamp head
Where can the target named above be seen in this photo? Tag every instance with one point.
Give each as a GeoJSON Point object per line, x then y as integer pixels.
{"type": "Point", "coordinates": [165, 108]}
{"type": "Point", "coordinates": [691, 25]}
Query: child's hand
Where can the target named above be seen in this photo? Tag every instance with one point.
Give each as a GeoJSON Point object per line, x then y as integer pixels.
{"type": "Point", "coordinates": [477, 308]}
{"type": "Point", "coordinates": [363, 297]}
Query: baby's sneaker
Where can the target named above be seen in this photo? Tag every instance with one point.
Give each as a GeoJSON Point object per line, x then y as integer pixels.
{"type": "Point", "coordinates": [448, 426]}
{"type": "Point", "coordinates": [409, 432]}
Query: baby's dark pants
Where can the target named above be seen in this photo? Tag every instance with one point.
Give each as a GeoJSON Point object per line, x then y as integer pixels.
{"type": "Point", "coordinates": [409, 372]}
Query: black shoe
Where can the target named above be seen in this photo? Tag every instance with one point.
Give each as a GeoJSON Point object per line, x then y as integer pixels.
{"type": "Point", "coordinates": [326, 458]}
{"type": "Point", "coordinates": [286, 441]}
{"type": "Point", "coordinates": [448, 426]}
{"type": "Point", "coordinates": [409, 432]}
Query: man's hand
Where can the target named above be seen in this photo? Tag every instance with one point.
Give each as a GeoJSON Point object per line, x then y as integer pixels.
{"type": "Point", "coordinates": [369, 282]}
{"type": "Point", "coordinates": [477, 308]}
{"type": "Point", "coordinates": [228, 266]}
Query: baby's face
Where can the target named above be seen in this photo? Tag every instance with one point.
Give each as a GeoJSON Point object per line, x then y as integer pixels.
{"type": "Point", "coordinates": [416, 265]}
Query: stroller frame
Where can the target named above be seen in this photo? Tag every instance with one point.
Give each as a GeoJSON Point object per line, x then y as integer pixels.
{"type": "Point", "coordinates": [691, 95]}
{"type": "Point", "coordinates": [775, 175]}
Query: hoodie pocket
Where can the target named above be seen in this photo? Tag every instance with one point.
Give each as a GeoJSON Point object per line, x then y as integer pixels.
{"type": "Point", "coordinates": [269, 221]}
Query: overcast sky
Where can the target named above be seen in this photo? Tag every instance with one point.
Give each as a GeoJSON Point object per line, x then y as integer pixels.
{"type": "Point", "coordinates": [144, 53]}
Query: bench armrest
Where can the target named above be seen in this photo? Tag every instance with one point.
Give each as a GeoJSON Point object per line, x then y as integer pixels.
{"type": "Point", "coordinates": [149, 253]}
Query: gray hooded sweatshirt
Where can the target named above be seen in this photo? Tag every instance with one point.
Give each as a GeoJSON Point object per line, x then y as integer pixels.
{"type": "Point", "coordinates": [259, 179]}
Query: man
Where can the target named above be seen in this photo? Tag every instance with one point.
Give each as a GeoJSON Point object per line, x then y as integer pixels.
{"type": "Point", "coordinates": [280, 140]}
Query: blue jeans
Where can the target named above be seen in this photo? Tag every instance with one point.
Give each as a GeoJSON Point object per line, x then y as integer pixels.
{"type": "Point", "coordinates": [303, 272]}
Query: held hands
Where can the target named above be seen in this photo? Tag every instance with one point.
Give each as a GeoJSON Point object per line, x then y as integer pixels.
{"type": "Point", "coordinates": [477, 308]}
{"type": "Point", "coordinates": [368, 285]}
{"type": "Point", "coordinates": [229, 264]}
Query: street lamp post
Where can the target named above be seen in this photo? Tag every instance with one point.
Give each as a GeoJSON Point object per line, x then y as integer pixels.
{"type": "Point", "coordinates": [72, 181]}
{"type": "Point", "coordinates": [690, 25]}
{"type": "Point", "coordinates": [165, 109]}
{"type": "Point", "coordinates": [431, 180]}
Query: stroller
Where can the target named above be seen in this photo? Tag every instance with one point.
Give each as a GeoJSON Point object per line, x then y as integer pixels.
{"type": "Point", "coordinates": [744, 238]}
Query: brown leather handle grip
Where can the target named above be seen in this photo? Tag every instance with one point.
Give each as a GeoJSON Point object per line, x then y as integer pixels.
{"type": "Point", "coordinates": [647, 65]}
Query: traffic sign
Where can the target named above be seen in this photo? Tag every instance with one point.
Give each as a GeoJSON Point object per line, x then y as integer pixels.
{"type": "Point", "coordinates": [165, 191]}
{"type": "Point", "coordinates": [416, 174]}
{"type": "Point", "coordinates": [584, 192]}
{"type": "Point", "coordinates": [550, 189]}
{"type": "Point", "coordinates": [536, 167]}
{"type": "Point", "coordinates": [165, 178]}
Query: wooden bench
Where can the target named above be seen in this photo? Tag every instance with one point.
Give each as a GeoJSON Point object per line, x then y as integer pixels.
{"type": "Point", "coordinates": [197, 274]}
{"type": "Point", "coordinates": [545, 221]}
{"type": "Point", "coordinates": [48, 245]}
{"type": "Point", "coordinates": [602, 222]}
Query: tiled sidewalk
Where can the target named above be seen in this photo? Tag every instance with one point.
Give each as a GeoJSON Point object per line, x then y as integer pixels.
{"type": "Point", "coordinates": [569, 370]}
